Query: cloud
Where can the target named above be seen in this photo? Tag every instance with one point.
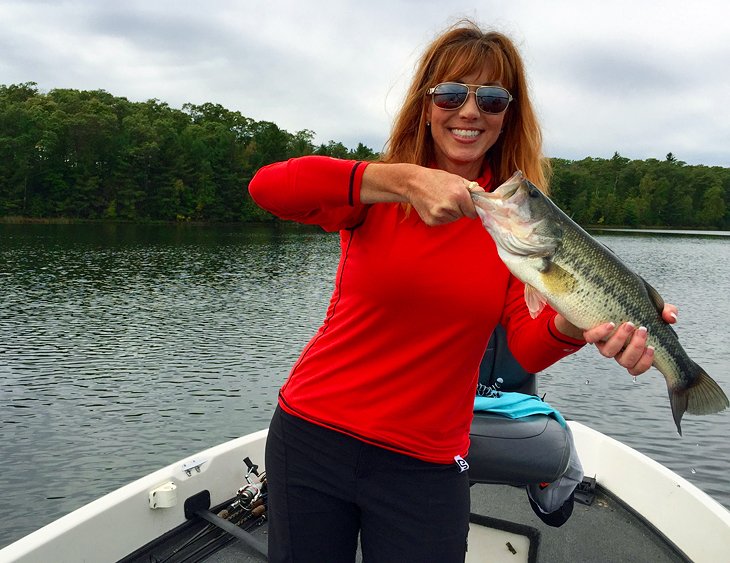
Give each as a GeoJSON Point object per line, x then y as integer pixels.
{"type": "Point", "coordinates": [641, 78]}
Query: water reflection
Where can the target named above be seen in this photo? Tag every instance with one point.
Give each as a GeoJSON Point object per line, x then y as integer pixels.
{"type": "Point", "coordinates": [124, 348]}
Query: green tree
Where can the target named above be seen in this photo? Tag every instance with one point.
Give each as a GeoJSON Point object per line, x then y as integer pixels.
{"type": "Point", "coordinates": [333, 149]}
{"type": "Point", "coordinates": [362, 152]}
{"type": "Point", "coordinates": [712, 212]}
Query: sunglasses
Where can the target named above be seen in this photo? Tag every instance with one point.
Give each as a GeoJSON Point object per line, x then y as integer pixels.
{"type": "Point", "coordinates": [453, 95]}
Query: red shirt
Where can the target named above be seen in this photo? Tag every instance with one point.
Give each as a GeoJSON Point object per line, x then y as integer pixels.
{"type": "Point", "coordinates": [396, 360]}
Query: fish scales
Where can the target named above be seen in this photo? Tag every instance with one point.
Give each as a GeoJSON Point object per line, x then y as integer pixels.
{"type": "Point", "coordinates": [605, 285]}
{"type": "Point", "coordinates": [605, 296]}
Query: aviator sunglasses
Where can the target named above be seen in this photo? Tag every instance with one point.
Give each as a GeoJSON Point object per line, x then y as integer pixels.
{"type": "Point", "coordinates": [453, 95]}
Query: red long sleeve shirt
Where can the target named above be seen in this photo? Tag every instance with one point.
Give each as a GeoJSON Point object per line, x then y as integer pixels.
{"type": "Point", "coordinates": [396, 360]}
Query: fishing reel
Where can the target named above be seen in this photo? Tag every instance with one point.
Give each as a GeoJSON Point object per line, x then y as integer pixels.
{"type": "Point", "coordinates": [250, 500]}
{"type": "Point", "coordinates": [248, 496]}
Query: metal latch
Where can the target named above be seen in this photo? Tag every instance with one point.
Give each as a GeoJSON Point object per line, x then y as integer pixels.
{"type": "Point", "coordinates": [193, 465]}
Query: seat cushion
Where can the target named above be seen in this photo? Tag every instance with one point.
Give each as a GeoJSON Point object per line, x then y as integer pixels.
{"type": "Point", "coordinates": [532, 449]}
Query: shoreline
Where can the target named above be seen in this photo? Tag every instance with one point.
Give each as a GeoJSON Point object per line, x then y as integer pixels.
{"type": "Point", "coordinates": [20, 220]}
{"type": "Point", "coordinates": [658, 231]}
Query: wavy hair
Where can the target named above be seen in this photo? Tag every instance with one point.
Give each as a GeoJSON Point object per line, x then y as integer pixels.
{"type": "Point", "coordinates": [461, 50]}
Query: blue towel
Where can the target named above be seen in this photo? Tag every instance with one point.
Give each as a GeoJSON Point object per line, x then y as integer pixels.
{"type": "Point", "coordinates": [516, 405]}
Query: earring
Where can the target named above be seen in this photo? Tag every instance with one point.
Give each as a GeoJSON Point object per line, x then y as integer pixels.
{"type": "Point", "coordinates": [428, 124]}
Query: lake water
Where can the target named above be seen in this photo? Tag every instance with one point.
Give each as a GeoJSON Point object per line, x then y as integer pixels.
{"type": "Point", "coordinates": [125, 348]}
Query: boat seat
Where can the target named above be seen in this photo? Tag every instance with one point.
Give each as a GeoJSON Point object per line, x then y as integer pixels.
{"type": "Point", "coordinates": [524, 451]}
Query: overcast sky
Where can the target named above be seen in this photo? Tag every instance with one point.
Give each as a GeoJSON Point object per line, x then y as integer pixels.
{"type": "Point", "coordinates": [640, 77]}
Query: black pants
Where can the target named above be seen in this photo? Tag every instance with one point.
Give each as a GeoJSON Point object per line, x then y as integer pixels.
{"type": "Point", "coordinates": [326, 487]}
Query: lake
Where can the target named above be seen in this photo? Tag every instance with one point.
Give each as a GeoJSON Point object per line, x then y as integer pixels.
{"type": "Point", "coordinates": [124, 348]}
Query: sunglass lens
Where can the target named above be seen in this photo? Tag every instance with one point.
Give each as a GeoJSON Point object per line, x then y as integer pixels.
{"type": "Point", "coordinates": [450, 96]}
{"type": "Point", "coordinates": [492, 100]}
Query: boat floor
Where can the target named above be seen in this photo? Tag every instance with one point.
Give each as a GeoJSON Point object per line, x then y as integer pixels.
{"type": "Point", "coordinates": [602, 531]}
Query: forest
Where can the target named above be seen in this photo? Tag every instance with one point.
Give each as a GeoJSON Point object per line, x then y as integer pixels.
{"type": "Point", "coordinates": [90, 155]}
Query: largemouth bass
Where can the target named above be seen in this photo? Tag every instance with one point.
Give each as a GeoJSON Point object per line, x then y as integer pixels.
{"type": "Point", "coordinates": [584, 281]}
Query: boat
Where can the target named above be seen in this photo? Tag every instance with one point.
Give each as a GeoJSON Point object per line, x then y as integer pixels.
{"type": "Point", "coordinates": [212, 506]}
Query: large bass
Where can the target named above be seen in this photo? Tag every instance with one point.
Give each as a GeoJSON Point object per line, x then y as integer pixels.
{"type": "Point", "coordinates": [584, 281]}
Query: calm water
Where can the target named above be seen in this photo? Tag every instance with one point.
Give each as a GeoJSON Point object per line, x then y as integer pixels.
{"type": "Point", "coordinates": [126, 348]}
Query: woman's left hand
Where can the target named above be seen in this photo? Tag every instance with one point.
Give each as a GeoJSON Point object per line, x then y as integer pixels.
{"type": "Point", "coordinates": [627, 345]}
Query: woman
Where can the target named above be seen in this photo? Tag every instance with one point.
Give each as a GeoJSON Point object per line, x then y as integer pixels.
{"type": "Point", "coordinates": [373, 421]}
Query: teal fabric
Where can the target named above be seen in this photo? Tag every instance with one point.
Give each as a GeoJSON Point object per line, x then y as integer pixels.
{"type": "Point", "coordinates": [516, 405]}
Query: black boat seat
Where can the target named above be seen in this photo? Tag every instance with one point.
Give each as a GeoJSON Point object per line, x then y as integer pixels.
{"type": "Point", "coordinates": [524, 451]}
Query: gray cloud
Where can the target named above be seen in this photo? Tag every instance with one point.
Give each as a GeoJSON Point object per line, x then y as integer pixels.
{"type": "Point", "coordinates": [640, 78]}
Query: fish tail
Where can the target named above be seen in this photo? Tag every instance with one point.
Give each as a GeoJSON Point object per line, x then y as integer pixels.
{"type": "Point", "coordinates": [678, 401]}
{"type": "Point", "coordinates": [702, 396]}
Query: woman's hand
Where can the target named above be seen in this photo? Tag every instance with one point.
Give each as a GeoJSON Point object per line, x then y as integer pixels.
{"type": "Point", "coordinates": [441, 197]}
{"type": "Point", "coordinates": [627, 345]}
{"type": "Point", "coordinates": [438, 197]}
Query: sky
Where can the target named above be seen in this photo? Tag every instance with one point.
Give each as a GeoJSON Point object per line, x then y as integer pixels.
{"type": "Point", "coordinates": [642, 78]}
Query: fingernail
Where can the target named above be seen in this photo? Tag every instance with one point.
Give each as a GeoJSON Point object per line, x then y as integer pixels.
{"type": "Point", "coordinates": [613, 325]}
{"type": "Point", "coordinates": [631, 325]}
{"type": "Point", "coordinates": [642, 329]}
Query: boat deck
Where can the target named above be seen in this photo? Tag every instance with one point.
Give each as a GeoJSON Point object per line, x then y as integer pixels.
{"type": "Point", "coordinates": [603, 531]}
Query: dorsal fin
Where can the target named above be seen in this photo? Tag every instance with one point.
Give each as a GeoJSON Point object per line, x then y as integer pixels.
{"type": "Point", "coordinates": [654, 296]}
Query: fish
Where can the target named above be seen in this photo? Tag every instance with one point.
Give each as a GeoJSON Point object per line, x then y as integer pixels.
{"type": "Point", "coordinates": [583, 280]}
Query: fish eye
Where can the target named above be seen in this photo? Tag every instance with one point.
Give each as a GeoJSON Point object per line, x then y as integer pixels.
{"type": "Point", "coordinates": [534, 191]}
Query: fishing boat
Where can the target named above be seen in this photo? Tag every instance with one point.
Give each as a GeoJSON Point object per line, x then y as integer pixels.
{"type": "Point", "coordinates": [212, 506]}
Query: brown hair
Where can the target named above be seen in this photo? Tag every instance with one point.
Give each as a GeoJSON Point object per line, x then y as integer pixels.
{"type": "Point", "coordinates": [461, 50]}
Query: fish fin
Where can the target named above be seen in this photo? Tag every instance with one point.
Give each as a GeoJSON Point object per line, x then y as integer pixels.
{"type": "Point", "coordinates": [609, 249]}
{"type": "Point", "coordinates": [535, 301]}
{"type": "Point", "coordinates": [658, 302]}
{"type": "Point", "coordinates": [703, 396]}
{"type": "Point", "coordinates": [678, 402]}
{"type": "Point", "coordinates": [656, 299]}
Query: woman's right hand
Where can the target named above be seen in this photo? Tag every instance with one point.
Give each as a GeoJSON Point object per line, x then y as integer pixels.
{"type": "Point", "coordinates": [438, 197]}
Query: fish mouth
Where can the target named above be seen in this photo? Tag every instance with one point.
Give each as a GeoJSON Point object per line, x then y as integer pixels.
{"type": "Point", "coordinates": [506, 214]}
{"type": "Point", "coordinates": [508, 189]}
{"type": "Point", "coordinates": [502, 194]}
{"type": "Point", "coordinates": [505, 203]}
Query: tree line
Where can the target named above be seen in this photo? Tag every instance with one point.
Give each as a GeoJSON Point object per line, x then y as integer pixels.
{"type": "Point", "coordinates": [91, 155]}
{"type": "Point", "coordinates": [642, 193]}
